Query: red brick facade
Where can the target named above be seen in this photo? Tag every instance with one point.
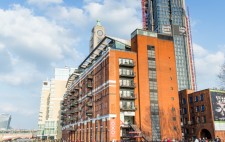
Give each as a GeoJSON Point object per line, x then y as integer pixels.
{"type": "Point", "coordinates": [111, 100]}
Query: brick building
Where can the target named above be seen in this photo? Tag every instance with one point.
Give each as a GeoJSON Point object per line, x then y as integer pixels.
{"type": "Point", "coordinates": [124, 92]}
{"type": "Point", "coordinates": [202, 113]}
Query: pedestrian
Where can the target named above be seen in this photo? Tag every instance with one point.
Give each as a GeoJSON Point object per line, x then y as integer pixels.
{"type": "Point", "coordinates": [218, 139]}
{"type": "Point", "coordinates": [197, 140]}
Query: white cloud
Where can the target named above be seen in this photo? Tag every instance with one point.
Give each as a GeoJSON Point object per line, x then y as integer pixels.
{"type": "Point", "coordinates": [119, 17]}
{"type": "Point", "coordinates": [13, 108]}
{"type": "Point", "coordinates": [22, 73]}
{"type": "Point", "coordinates": [44, 2]}
{"type": "Point", "coordinates": [88, 1]}
{"type": "Point", "coordinates": [2, 46]}
{"type": "Point", "coordinates": [207, 65]}
{"type": "Point", "coordinates": [34, 43]}
{"type": "Point", "coordinates": [67, 15]}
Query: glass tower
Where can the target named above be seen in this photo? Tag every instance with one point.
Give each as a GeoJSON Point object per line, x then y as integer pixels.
{"type": "Point", "coordinates": [169, 17]}
{"type": "Point", "coordinates": [5, 121]}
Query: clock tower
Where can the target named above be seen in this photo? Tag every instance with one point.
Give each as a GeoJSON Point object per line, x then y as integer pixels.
{"type": "Point", "coordinates": [98, 33]}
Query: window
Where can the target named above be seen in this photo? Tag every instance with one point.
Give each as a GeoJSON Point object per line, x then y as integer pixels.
{"type": "Point", "coordinates": [184, 101]}
{"type": "Point", "coordinates": [173, 109]}
{"type": "Point", "coordinates": [184, 111]}
{"type": "Point", "coordinates": [185, 120]}
{"type": "Point", "coordinates": [203, 108]}
{"type": "Point", "coordinates": [174, 118]}
{"type": "Point", "coordinates": [203, 119]}
{"type": "Point", "coordinates": [197, 109]}
{"type": "Point", "coordinates": [174, 128]}
{"type": "Point", "coordinates": [198, 119]}
{"type": "Point", "coordinates": [202, 97]}
{"type": "Point", "coordinates": [190, 100]}
{"type": "Point", "coordinates": [196, 98]}
{"type": "Point", "coordinates": [192, 110]}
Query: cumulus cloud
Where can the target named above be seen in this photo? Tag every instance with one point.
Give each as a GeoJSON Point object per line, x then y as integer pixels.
{"type": "Point", "coordinates": [44, 2]}
{"type": "Point", "coordinates": [207, 65]}
{"type": "Point", "coordinates": [88, 1]}
{"type": "Point", "coordinates": [34, 44]}
{"type": "Point", "coordinates": [120, 17]}
{"type": "Point", "coordinates": [13, 108]}
{"type": "Point", "coordinates": [68, 15]}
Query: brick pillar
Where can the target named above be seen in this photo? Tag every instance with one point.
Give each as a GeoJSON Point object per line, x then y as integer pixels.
{"type": "Point", "coordinates": [93, 131]}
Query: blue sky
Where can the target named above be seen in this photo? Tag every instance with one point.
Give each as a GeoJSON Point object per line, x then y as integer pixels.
{"type": "Point", "coordinates": [38, 35]}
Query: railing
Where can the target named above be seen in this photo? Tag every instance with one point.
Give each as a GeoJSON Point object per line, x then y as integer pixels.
{"type": "Point", "coordinates": [90, 76]}
{"type": "Point", "coordinates": [127, 64]}
{"type": "Point", "coordinates": [129, 108]}
{"type": "Point", "coordinates": [131, 74]}
{"type": "Point", "coordinates": [127, 85]}
{"type": "Point", "coordinates": [144, 136]}
{"type": "Point", "coordinates": [74, 104]}
{"type": "Point", "coordinates": [89, 85]}
{"type": "Point", "coordinates": [129, 97]}
{"type": "Point", "coordinates": [89, 112]}
{"type": "Point", "coordinates": [89, 104]}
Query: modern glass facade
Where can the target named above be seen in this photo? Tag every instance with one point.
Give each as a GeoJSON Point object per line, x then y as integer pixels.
{"type": "Point", "coordinates": [168, 17]}
{"type": "Point", "coordinates": [5, 121]}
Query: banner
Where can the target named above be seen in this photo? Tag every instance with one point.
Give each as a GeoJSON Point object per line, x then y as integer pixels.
{"type": "Point", "coordinates": [218, 106]}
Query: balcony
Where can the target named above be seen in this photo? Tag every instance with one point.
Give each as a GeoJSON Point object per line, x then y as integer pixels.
{"type": "Point", "coordinates": [74, 110]}
{"type": "Point", "coordinates": [127, 97]}
{"type": "Point", "coordinates": [89, 95]}
{"type": "Point", "coordinates": [90, 76]}
{"type": "Point", "coordinates": [76, 88]}
{"type": "Point", "coordinates": [127, 108]}
{"type": "Point", "coordinates": [62, 112]}
{"type": "Point", "coordinates": [62, 107]}
{"type": "Point", "coordinates": [127, 85]}
{"type": "Point", "coordinates": [89, 104]}
{"type": "Point", "coordinates": [89, 85]}
{"type": "Point", "coordinates": [89, 112]}
{"type": "Point", "coordinates": [127, 64]}
{"type": "Point", "coordinates": [76, 94]}
{"type": "Point", "coordinates": [74, 103]}
{"type": "Point", "coordinates": [128, 75]}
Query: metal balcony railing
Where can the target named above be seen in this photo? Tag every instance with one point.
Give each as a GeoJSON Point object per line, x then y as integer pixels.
{"type": "Point", "coordinates": [127, 108]}
{"type": "Point", "coordinates": [89, 104]}
{"type": "Point", "coordinates": [89, 85]}
{"type": "Point", "coordinates": [74, 103]}
{"type": "Point", "coordinates": [129, 75]}
{"type": "Point", "coordinates": [90, 76]}
{"type": "Point", "coordinates": [127, 64]}
{"type": "Point", "coordinates": [127, 85]}
{"type": "Point", "coordinates": [127, 97]}
{"type": "Point", "coordinates": [89, 94]}
{"type": "Point", "coordinates": [89, 112]}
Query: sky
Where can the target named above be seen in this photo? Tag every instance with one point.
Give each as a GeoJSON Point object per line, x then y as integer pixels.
{"type": "Point", "coordinates": [37, 36]}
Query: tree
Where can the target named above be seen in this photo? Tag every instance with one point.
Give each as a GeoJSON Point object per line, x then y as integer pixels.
{"type": "Point", "coordinates": [221, 75]}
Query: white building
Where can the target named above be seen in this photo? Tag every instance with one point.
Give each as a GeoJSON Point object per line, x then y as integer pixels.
{"type": "Point", "coordinates": [51, 97]}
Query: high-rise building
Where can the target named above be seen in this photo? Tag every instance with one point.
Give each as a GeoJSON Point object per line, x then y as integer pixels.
{"type": "Point", "coordinates": [5, 121]}
{"type": "Point", "coordinates": [97, 34]}
{"type": "Point", "coordinates": [124, 91]}
{"type": "Point", "coordinates": [169, 17]}
{"type": "Point", "coordinates": [51, 97]}
{"type": "Point", "coordinates": [202, 114]}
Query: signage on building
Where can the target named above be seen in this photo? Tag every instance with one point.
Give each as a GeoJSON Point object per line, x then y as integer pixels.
{"type": "Point", "coordinates": [182, 30]}
{"type": "Point", "coordinates": [112, 128]}
{"type": "Point", "coordinates": [166, 29]}
{"type": "Point", "coordinates": [218, 106]}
